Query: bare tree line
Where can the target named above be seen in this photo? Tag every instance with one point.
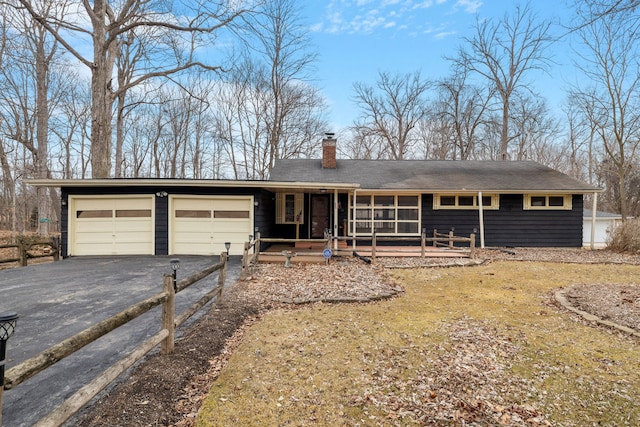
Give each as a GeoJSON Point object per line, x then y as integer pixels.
{"type": "Point", "coordinates": [179, 90]}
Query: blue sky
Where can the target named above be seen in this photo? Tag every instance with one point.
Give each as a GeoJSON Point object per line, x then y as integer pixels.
{"type": "Point", "coordinates": [358, 38]}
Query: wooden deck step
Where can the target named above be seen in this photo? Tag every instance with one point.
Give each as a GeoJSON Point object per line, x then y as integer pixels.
{"type": "Point", "coordinates": [318, 245]}
{"type": "Point", "coordinates": [278, 258]}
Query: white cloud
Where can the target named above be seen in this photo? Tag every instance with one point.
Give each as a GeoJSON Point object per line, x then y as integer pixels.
{"type": "Point", "coordinates": [366, 16]}
{"type": "Point", "coordinates": [444, 34]}
{"type": "Point", "coordinates": [469, 6]}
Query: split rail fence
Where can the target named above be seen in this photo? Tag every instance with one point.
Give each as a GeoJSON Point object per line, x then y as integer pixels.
{"type": "Point", "coordinates": [165, 337]}
{"type": "Point", "coordinates": [24, 250]}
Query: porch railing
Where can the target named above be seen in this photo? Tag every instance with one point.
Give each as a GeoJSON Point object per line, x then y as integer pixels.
{"type": "Point", "coordinates": [440, 240]}
{"type": "Point", "coordinates": [448, 241]}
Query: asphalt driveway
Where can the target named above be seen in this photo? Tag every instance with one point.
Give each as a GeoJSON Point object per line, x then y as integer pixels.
{"type": "Point", "coordinates": [57, 300]}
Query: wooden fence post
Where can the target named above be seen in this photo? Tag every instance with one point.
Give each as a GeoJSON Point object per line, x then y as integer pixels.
{"type": "Point", "coordinates": [374, 242]}
{"type": "Point", "coordinates": [435, 237]}
{"type": "Point", "coordinates": [257, 247]}
{"type": "Point", "coordinates": [472, 246]}
{"type": "Point", "coordinates": [245, 260]}
{"type": "Point", "coordinates": [22, 252]}
{"type": "Point", "coordinates": [222, 275]}
{"type": "Point", "coordinates": [328, 240]}
{"type": "Point", "coordinates": [423, 243]}
{"type": "Point", "coordinates": [55, 244]}
{"type": "Point", "coordinates": [451, 239]}
{"type": "Point", "coordinates": [168, 313]}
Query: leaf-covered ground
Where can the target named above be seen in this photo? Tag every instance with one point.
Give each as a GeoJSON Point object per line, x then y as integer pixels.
{"type": "Point", "coordinates": [469, 345]}
{"type": "Point", "coordinates": [462, 346]}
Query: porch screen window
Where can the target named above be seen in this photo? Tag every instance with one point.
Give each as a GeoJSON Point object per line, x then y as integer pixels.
{"type": "Point", "coordinates": [551, 202]}
{"type": "Point", "coordinates": [289, 208]}
{"type": "Point", "coordinates": [385, 214]}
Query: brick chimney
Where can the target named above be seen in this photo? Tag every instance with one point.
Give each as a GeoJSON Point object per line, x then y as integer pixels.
{"type": "Point", "coordinates": [329, 151]}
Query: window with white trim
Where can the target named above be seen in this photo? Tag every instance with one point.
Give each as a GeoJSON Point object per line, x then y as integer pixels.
{"type": "Point", "coordinates": [289, 208]}
{"type": "Point", "coordinates": [386, 214]}
{"type": "Point", "coordinates": [465, 201]}
{"type": "Point", "coordinates": [548, 202]}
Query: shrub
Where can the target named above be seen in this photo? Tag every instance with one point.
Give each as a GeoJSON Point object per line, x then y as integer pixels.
{"type": "Point", "coordinates": [626, 237]}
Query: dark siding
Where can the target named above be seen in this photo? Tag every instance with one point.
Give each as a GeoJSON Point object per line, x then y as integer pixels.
{"type": "Point", "coordinates": [162, 226]}
{"type": "Point", "coordinates": [265, 213]}
{"type": "Point", "coordinates": [64, 223]}
{"type": "Point", "coordinates": [511, 225]}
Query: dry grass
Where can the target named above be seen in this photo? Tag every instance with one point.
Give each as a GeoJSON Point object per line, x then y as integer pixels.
{"type": "Point", "coordinates": [462, 346]}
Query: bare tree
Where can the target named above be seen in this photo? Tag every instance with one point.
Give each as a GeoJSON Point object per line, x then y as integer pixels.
{"type": "Point", "coordinates": [268, 106]}
{"type": "Point", "coordinates": [70, 126]}
{"type": "Point", "coordinates": [29, 91]}
{"type": "Point", "coordinates": [612, 99]}
{"type": "Point", "coordinates": [580, 138]}
{"type": "Point", "coordinates": [534, 128]}
{"type": "Point", "coordinates": [504, 53]}
{"type": "Point", "coordinates": [464, 108]}
{"type": "Point", "coordinates": [284, 45]}
{"type": "Point", "coordinates": [390, 110]}
{"type": "Point", "coordinates": [107, 23]}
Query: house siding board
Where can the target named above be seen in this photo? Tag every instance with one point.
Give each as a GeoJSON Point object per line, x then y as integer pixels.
{"type": "Point", "coordinates": [64, 223]}
{"type": "Point", "coordinates": [265, 214]}
{"type": "Point", "coordinates": [511, 225]}
{"type": "Point", "coordinates": [162, 226]}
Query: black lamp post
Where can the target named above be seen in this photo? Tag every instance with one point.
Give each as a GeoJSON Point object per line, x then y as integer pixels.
{"type": "Point", "coordinates": [227, 245]}
{"type": "Point", "coordinates": [7, 327]}
{"type": "Point", "coordinates": [175, 266]}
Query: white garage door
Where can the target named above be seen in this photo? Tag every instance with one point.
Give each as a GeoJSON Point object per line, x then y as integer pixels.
{"type": "Point", "coordinates": [202, 225]}
{"type": "Point", "coordinates": [111, 226]}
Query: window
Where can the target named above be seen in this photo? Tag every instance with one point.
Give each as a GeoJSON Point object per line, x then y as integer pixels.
{"type": "Point", "coordinates": [100, 213]}
{"type": "Point", "coordinates": [385, 214]}
{"type": "Point", "coordinates": [465, 201]}
{"type": "Point", "coordinates": [133, 213]}
{"type": "Point", "coordinates": [289, 208]}
{"type": "Point", "coordinates": [231, 214]}
{"type": "Point", "coordinates": [549, 202]}
{"type": "Point", "coordinates": [192, 213]}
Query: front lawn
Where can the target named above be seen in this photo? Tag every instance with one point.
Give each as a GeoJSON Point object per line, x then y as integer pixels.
{"type": "Point", "coordinates": [483, 345]}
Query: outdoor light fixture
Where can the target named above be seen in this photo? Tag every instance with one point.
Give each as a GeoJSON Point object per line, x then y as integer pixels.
{"type": "Point", "coordinates": [175, 266]}
{"type": "Point", "coordinates": [227, 245]}
{"type": "Point", "coordinates": [7, 328]}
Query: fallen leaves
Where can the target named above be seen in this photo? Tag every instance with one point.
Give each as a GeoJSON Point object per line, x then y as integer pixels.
{"type": "Point", "coordinates": [347, 280]}
{"type": "Point", "coordinates": [464, 381]}
{"type": "Point", "coordinates": [612, 301]}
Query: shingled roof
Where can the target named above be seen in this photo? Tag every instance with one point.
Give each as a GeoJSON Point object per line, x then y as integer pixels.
{"type": "Point", "coordinates": [433, 175]}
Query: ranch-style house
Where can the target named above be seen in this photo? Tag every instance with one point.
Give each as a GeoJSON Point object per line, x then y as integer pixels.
{"type": "Point", "coordinates": [504, 203]}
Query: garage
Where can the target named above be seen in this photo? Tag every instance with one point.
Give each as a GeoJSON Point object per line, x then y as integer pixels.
{"type": "Point", "coordinates": [200, 225]}
{"type": "Point", "coordinates": [111, 226]}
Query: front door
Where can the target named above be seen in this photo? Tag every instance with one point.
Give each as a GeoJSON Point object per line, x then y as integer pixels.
{"type": "Point", "coordinates": [319, 215]}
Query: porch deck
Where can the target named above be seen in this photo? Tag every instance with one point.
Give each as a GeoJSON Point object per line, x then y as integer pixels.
{"type": "Point", "coordinates": [313, 253]}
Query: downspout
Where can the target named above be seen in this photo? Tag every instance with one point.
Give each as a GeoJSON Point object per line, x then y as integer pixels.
{"type": "Point", "coordinates": [335, 219]}
{"type": "Point", "coordinates": [481, 218]}
{"type": "Point", "coordinates": [592, 244]}
{"type": "Point", "coordinates": [353, 218]}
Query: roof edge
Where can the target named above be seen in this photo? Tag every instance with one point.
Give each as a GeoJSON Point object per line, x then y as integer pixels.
{"type": "Point", "coordinates": [135, 182]}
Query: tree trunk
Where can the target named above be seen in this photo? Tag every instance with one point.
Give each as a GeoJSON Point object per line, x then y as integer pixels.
{"type": "Point", "coordinates": [101, 94]}
{"type": "Point", "coordinates": [42, 131]}
{"type": "Point", "coordinates": [504, 132]}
